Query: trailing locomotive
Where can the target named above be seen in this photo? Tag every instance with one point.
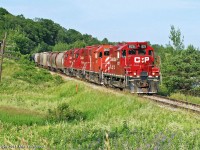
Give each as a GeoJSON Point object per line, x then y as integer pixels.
{"type": "Point", "coordinates": [129, 65]}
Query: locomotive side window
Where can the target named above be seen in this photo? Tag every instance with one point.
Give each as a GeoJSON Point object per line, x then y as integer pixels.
{"type": "Point", "coordinates": [123, 53]}
{"type": "Point", "coordinates": [141, 52]}
{"type": "Point", "coordinates": [106, 53]}
{"type": "Point", "coordinates": [150, 52]}
{"type": "Point", "coordinates": [76, 55]}
{"type": "Point", "coordinates": [132, 52]}
{"type": "Point", "coordinates": [100, 54]}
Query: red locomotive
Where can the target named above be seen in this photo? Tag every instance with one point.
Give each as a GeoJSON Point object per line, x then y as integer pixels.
{"type": "Point", "coordinates": [129, 65]}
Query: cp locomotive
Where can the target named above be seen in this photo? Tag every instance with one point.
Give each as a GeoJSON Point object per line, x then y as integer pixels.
{"type": "Point", "coordinates": [129, 65]}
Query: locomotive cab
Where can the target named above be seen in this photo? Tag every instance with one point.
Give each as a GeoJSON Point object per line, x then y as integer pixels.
{"type": "Point", "coordinates": [141, 74]}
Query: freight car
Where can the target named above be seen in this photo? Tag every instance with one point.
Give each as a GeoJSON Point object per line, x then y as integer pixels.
{"type": "Point", "coordinates": [129, 65]}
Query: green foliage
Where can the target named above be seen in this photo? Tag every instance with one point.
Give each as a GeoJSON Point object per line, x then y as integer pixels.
{"type": "Point", "coordinates": [32, 75]}
{"type": "Point", "coordinates": [43, 47]}
{"type": "Point", "coordinates": [181, 71]}
{"type": "Point", "coordinates": [37, 78]}
{"type": "Point", "coordinates": [78, 44]}
{"type": "Point", "coordinates": [89, 40]}
{"type": "Point", "coordinates": [187, 98]}
{"type": "Point", "coordinates": [175, 37]}
{"type": "Point", "coordinates": [29, 36]}
{"type": "Point", "coordinates": [61, 47]}
{"type": "Point", "coordinates": [105, 41]}
{"type": "Point", "coordinates": [123, 120]}
{"type": "Point", "coordinates": [163, 90]}
{"type": "Point", "coordinates": [64, 113]}
{"type": "Point", "coordinates": [3, 11]}
{"type": "Point", "coordinates": [73, 36]}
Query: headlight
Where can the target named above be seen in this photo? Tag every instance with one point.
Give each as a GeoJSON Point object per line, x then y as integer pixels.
{"type": "Point", "coordinates": [153, 73]}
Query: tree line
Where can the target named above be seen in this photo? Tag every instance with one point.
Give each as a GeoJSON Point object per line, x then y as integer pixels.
{"type": "Point", "coordinates": [180, 66]}
{"type": "Point", "coordinates": [28, 36]}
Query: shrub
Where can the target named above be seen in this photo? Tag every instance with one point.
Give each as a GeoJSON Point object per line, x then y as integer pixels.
{"type": "Point", "coordinates": [163, 90]}
{"type": "Point", "coordinates": [64, 113]}
{"type": "Point", "coordinates": [58, 79]}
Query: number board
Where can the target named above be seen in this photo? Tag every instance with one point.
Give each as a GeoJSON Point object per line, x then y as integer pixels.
{"type": "Point", "coordinates": [131, 46]}
{"type": "Point", "coordinates": [143, 46]}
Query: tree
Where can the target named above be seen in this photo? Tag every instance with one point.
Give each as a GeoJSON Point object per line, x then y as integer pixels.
{"type": "Point", "coordinates": [175, 37]}
{"type": "Point", "coordinates": [28, 36]}
{"type": "Point", "coordinates": [43, 47]}
{"type": "Point", "coordinates": [61, 47]}
{"type": "Point", "coordinates": [181, 71]}
{"type": "Point", "coordinates": [3, 11]}
{"type": "Point", "coordinates": [105, 41]}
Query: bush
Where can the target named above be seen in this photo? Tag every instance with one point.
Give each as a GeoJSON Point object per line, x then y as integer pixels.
{"type": "Point", "coordinates": [163, 90]}
{"type": "Point", "coordinates": [58, 79]}
{"type": "Point", "coordinates": [64, 113]}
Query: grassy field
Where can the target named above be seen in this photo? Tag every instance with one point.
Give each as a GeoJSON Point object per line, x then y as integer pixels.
{"type": "Point", "coordinates": [187, 98]}
{"type": "Point", "coordinates": [112, 120]}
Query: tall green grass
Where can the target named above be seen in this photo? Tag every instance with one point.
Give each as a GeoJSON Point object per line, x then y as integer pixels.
{"type": "Point", "coordinates": [20, 117]}
{"type": "Point", "coordinates": [187, 98]}
{"type": "Point", "coordinates": [115, 120]}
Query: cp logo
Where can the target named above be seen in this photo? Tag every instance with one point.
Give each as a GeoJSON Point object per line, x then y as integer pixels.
{"type": "Point", "coordinates": [143, 60]}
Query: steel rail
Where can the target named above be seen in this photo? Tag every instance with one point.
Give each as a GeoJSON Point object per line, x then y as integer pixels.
{"type": "Point", "coordinates": [175, 103]}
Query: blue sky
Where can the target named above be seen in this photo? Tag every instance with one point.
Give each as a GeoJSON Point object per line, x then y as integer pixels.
{"type": "Point", "coordinates": [118, 20]}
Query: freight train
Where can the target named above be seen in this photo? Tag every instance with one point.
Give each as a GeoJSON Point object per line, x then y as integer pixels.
{"type": "Point", "coordinates": [129, 65]}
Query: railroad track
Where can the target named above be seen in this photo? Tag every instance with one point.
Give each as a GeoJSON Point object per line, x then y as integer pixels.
{"type": "Point", "coordinates": [175, 103]}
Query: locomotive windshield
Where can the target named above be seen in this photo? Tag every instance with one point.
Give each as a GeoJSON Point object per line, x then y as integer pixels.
{"type": "Point", "coordinates": [132, 52]}
{"type": "Point", "coordinates": [141, 52]}
{"type": "Point", "coordinates": [106, 53]}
